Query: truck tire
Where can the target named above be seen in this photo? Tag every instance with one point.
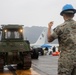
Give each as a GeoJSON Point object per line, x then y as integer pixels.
{"type": "Point", "coordinates": [35, 54]}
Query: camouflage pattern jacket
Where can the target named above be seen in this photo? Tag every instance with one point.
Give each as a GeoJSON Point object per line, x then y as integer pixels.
{"type": "Point", "coordinates": [66, 34]}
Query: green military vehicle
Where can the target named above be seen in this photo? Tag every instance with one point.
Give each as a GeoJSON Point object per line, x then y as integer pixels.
{"type": "Point", "coordinates": [13, 48]}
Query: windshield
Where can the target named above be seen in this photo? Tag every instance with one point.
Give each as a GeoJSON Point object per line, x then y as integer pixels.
{"type": "Point", "coordinates": [12, 34]}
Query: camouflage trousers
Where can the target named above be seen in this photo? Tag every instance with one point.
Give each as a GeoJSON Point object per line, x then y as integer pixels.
{"type": "Point", "coordinates": [66, 66]}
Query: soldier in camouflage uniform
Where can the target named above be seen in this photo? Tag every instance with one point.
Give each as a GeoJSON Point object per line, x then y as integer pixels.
{"type": "Point", "coordinates": [66, 34]}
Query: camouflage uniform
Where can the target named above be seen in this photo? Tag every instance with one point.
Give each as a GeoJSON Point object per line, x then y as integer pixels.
{"type": "Point", "coordinates": [66, 34]}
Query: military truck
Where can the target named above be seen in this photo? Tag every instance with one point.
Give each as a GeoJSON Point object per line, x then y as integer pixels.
{"type": "Point", "coordinates": [13, 48]}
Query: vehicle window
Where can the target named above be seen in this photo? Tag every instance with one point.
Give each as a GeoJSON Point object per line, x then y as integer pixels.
{"type": "Point", "coordinates": [12, 34]}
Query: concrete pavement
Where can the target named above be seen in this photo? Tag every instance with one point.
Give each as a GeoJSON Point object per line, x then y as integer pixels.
{"type": "Point", "coordinates": [46, 65]}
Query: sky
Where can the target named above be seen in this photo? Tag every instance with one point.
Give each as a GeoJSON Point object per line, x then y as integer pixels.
{"type": "Point", "coordinates": [33, 12]}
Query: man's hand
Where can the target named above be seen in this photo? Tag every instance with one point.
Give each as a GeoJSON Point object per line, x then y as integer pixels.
{"type": "Point", "coordinates": [50, 39]}
{"type": "Point", "coordinates": [50, 24]}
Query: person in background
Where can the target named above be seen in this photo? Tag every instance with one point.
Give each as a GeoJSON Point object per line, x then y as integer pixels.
{"type": "Point", "coordinates": [46, 50]}
{"type": "Point", "coordinates": [66, 34]}
{"type": "Point", "coordinates": [54, 49]}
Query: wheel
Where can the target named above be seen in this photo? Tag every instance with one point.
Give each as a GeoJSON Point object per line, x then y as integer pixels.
{"type": "Point", "coordinates": [27, 61]}
{"type": "Point", "coordinates": [1, 64]}
{"type": "Point", "coordinates": [35, 54]}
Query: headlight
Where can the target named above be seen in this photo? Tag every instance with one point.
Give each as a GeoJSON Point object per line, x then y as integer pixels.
{"type": "Point", "coordinates": [21, 30]}
{"type": "Point", "coordinates": [5, 30]}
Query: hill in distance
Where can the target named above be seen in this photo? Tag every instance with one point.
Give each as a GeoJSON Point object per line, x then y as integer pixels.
{"type": "Point", "coordinates": [32, 34]}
